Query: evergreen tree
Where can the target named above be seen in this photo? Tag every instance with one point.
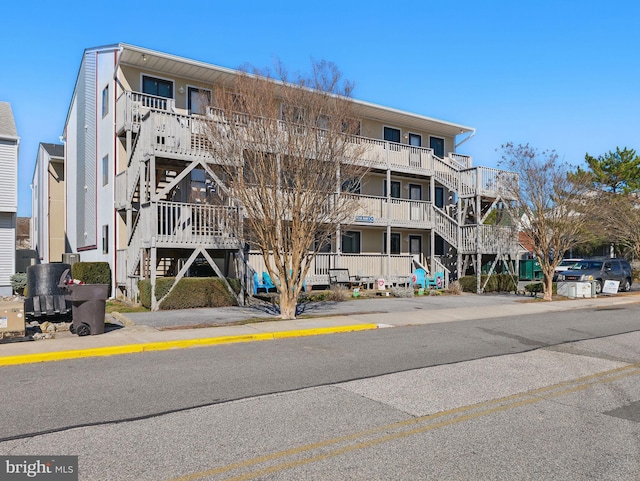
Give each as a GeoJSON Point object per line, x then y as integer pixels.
{"type": "Point", "coordinates": [616, 172]}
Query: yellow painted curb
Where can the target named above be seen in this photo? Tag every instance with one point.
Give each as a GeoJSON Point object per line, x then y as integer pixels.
{"type": "Point", "coordinates": [166, 345]}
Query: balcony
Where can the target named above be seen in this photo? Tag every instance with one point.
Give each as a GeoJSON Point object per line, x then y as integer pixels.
{"type": "Point", "coordinates": [174, 133]}
{"type": "Point", "coordinates": [380, 211]}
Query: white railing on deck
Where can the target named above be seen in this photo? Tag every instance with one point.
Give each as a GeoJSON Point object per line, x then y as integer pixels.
{"type": "Point", "coordinates": [121, 267]}
{"type": "Point", "coordinates": [494, 182]}
{"type": "Point", "coordinates": [489, 239]}
{"type": "Point", "coordinates": [379, 211]}
{"type": "Point", "coordinates": [461, 160]}
{"type": "Point", "coordinates": [190, 224]}
{"type": "Point", "coordinates": [362, 265]}
{"type": "Point", "coordinates": [121, 190]}
{"type": "Point", "coordinates": [446, 227]}
{"type": "Point", "coordinates": [131, 106]}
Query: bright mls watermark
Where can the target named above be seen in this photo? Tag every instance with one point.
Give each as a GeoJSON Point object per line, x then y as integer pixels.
{"type": "Point", "coordinates": [51, 468]}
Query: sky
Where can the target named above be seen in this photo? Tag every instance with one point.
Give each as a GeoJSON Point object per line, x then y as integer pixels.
{"type": "Point", "coordinates": [559, 75]}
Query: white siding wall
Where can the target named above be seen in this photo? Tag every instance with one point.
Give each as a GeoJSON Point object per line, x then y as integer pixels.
{"type": "Point", "coordinates": [39, 208]}
{"type": "Point", "coordinates": [71, 179]}
{"type": "Point", "coordinates": [105, 148]}
{"type": "Point", "coordinates": [8, 176]}
{"type": "Point", "coordinates": [7, 251]}
{"type": "Point", "coordinates": [90, 138]}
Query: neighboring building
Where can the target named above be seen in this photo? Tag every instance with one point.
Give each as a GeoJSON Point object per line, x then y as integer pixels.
{"type": "Point", "coordinates": [23, 233]}
{"type": "Point", "coordinates": [9, 143]}
{"type": "Point", "coordinates": [135, 160]}
{"type": "Point", "coordinates": [47, 201]}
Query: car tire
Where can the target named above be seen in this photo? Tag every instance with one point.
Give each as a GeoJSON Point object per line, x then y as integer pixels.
{"type": "Point", "coordinates": [626, 285]}
{"type": "Point", "coordinates": [598, 287]}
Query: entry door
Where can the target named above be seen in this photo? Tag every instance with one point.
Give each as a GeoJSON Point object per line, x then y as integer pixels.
{"type": "Point", "coordinates": [415, 140]}
{"type": "Point", "coordinates": [437, 144]}
{"type": "Point", "coordinates": [415, 193]}
{"type": "Point", "coordinates": [198, 100]}
{"type": "Point", "coordinates": [415, 244]}
{"type": "Point", "coordinates": [392, 136]}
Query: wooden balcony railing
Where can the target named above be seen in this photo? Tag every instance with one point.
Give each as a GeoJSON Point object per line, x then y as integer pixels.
{"type": "Point", "coordinates": [488, 239]}
{"type": "Point", "coordinates": [180, 224]}
{"type": "Point", "coordinates": [363, 265]}
{"type": "Point", "coordinates": [186, 135]}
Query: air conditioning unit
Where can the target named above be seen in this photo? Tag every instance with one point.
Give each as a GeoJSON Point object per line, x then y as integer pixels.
{"type": "Point", "coordinates": [70, 258]}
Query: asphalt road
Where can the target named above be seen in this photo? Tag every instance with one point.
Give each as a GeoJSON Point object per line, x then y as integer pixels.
{"type": "Point", "coordinates": [63, 394]}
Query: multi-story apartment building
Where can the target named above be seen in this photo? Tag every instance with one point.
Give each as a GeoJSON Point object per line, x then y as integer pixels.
{"type": "Point", "coordinates": [47, 203]}
{"type": "Point", "coordinates": [9, 143]}
{"type": "Point", "coordinates": [140, 194]}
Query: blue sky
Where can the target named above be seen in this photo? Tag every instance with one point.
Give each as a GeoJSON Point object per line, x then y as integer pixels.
{"type": "Point", "coordinates": [560, 75]}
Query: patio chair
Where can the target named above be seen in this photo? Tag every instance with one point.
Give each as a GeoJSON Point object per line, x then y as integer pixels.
{"type": "Point", "coordinates": [340, 277]}
{"type": "Point", "coordinates": [266, 279]}
{"type": "Point", "coordinates": [420, 276]}
{"type": "Point", "coordinates": [436, 281]}
{"type": "Point", "coordinates": [258, 284]}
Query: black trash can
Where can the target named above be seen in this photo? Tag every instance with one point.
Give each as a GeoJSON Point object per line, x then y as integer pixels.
{"type": "Point", "coordinates": [46, 293]}
{"type": "Point", "coordinates": [88, 302]}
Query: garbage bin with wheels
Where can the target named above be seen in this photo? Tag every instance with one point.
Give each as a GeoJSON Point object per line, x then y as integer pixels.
{"type": "Point", "coordinates": [88, 302]}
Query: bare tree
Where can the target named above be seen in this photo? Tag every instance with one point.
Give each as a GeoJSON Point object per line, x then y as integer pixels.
{"type": "Point", "coordinates": [285, 149]}
{"type": "Point", "coordinates": [553, 207]}
{"type": "Point", "coordinates": [619, 220]}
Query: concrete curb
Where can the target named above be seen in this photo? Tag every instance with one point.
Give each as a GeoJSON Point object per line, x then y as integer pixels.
{"type": "Point", "coordinates": [179, 344]}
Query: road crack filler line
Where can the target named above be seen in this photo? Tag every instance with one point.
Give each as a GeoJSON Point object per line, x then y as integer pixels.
{"type": "Point", "coordinates": [320, 451]}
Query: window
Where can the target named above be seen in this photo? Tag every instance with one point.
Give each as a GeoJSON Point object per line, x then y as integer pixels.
{"type": "Point", "coordinates": [157, 87]}
{"type": "Point", "coordinates": [415, 192]}
{"type": "Point", "coordinates": [351, 242]}
{"type": "Point", "coordinates": [198, 100]}
{"type": "Point", "coordinates": [439, 197]}
{"type": "Point", "coordinates": [395, 243]}
{"type": "Point", "coordinates": [415, 244]}
{"type": "Point", "coordinates": [105, 239]}
{"type": "Point", "coordinates": [437, 144]}
{"type": "Point", "coordinates": [391, 134]}
{"type": "Point", "coordinates": [415, 140]}
{"type": "Point", "coordinates": [105, 101]}
{"type": "Point", "coordinates": [323, 246]}
{"type": "Point", "coordinates": [353, 186]}
{"type": "Point", "coordinates": [439, 247]}
{"type": "Point", "coordinates": [396, 187]}
{"type": "Point", "coordinates": [105, 170]}
{"type": "Point", "coordinates": [351, 126]}
{"type": "Point", "coordinates": [292, 114]}
{"type": "Point", "coordinates": [323, 122]}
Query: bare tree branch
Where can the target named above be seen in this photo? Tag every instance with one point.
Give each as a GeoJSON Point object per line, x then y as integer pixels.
{"type": "Point", "coordinates": [285, 150]}
{"type": "Point", "coordinates": [553, 207]}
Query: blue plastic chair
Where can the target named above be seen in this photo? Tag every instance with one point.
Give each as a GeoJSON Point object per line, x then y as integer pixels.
{"type": "Point", "coordinates": [258, 284]}
{"type": "Point", "coordinates": [421, 278]}
{"type": "Point", "coordinates": [436, 281]}
{"type": "Point", "coordinates": [266, 280]}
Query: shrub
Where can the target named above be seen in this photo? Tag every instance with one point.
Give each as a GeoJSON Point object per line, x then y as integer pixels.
{"type": "Point", "coordinates": [190, 292]}
{"type": "Point", "coordinates": [454, 288]}
{"type": "Point", "coordinates": [92, 272]}
{"type": "Point", "coordinates": [19, 282]}
{"type": "Point", "coordinates": [402, 291]}
{"type": "Point", "coordinates": [496, 283]}
{"type": "Point", "coordinates": [336, 294]}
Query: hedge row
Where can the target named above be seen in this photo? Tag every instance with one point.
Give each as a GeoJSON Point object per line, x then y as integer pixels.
{"type": "Point", "coordinates": [92, 272]}
{"type": "Point", "coordinates": [497, 283]}
{"type": "Point", "coordinates": [189, 292]}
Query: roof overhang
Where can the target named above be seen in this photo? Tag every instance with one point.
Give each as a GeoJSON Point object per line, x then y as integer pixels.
{"type": "Point", "coordinates": [163, 63]}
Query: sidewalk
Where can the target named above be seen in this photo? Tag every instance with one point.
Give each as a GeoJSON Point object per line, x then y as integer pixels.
{"type": "Point", "coordinates": [152, 331]}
